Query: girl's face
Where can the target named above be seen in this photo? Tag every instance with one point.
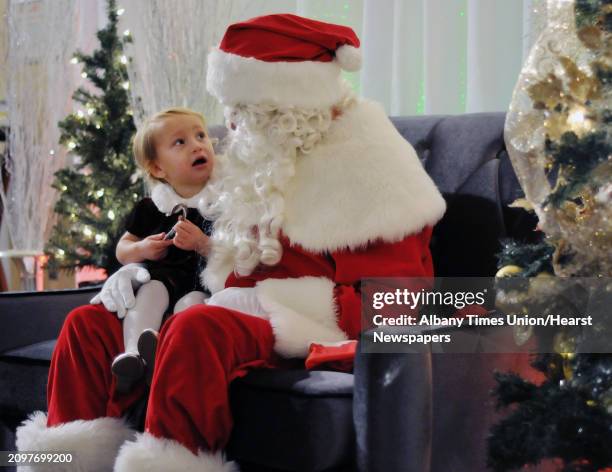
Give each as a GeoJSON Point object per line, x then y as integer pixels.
{"type": "Point", "coordinates": [185, 156]}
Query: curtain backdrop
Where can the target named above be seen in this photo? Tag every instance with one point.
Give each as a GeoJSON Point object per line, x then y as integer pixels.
{"type": "Point", "coordinates": [171, 39]}
{"type": "Point", "coordinates": [420, 56]}
{"type": "Point", "coordinates": [446, 56]}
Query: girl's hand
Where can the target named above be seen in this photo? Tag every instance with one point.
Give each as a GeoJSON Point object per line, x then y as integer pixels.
{"type": "Point", "coordinates": [154, 247]}
{"type": "Point", "coordinates": [191, 238]}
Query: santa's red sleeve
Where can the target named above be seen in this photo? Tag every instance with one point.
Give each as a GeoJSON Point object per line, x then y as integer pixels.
{"type": "Point", "coordinates": [326, 311]}
{"type": "Point", "coordinates": [409, 257]}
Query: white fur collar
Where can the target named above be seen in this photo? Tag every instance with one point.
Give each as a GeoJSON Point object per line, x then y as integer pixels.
{"type": "Point", "coordinates": [363, 183]}
{"type": "Point", "coordinates": [165, 198]}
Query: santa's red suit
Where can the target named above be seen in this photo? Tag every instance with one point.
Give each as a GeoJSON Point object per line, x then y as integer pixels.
{"type": "Point", "coordinates": [359, 205]}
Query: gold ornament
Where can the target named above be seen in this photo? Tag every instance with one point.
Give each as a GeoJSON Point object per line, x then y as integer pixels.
{"type": "Point", "coordinates": [546, 93]}
{"type": "Point", "coordinates": [522, 203]}
{"type": "Point", "coordinates": [568, 371]}
{"type": "Point", "coordinates": [582, 86]}
{"type": "Point", "coordinates": [556, 125]}
{"type": "Point", "coordinates": [591, 37]}
{"type": "Point", "coordinates": [565, 346]}
{"type": "Point", "coordinates": [508, 271]}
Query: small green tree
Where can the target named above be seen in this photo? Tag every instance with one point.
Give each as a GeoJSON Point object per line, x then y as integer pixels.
{"type": "Point", "coordinates": [96, 193]}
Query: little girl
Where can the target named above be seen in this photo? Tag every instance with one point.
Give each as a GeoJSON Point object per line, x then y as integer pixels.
{"type": "Point", "coordinates": [174, 150]}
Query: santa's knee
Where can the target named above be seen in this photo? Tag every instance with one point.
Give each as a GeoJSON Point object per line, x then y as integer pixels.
{"type": "Point", "coordinates": [88, 319]}
{"type": "Point", "coordinates": [92, 326]}
{"type": "Point", "coordinates": [201, 324]}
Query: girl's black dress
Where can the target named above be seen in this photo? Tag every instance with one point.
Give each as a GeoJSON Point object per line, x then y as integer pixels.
{"type": "Point", "coordinates": [180, 270]}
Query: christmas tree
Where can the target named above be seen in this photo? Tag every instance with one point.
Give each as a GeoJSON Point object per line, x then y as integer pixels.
{"type": "Point", "coordinates": [559, 138]}
{"type": "Point", "coordinates": [99, 189]}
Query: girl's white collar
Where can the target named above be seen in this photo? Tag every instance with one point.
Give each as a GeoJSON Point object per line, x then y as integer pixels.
{"type": "Point", "coordinates": [165, 198]}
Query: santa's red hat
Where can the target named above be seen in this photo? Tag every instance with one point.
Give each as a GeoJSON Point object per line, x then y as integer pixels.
{"type": "Point", "coordinates": [282, 59]}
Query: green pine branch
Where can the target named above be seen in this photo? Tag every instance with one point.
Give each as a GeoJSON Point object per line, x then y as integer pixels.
{"type": "Point", "coordinates": [575, 158]}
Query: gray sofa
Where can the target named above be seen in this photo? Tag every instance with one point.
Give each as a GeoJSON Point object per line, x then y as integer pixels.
{"type": "Point", "coordinates": [397, 412]}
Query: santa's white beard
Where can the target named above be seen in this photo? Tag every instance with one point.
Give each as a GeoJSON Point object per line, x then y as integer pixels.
{"type": "Point", "coordinates": [246, 194]}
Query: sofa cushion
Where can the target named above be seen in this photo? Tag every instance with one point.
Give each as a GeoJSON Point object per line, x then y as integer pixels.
{"type": "Point", "coordinates": [34, 352]}
{"type": "Point", "coordinates": [306, 415]}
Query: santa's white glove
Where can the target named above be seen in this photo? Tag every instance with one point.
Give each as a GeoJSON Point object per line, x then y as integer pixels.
{"type": "Point", "coordinates": [242, 299]}
{"type": "Point", "coordinates": [117, 294]}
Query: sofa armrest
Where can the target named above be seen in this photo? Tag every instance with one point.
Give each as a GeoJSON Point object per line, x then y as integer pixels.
{"type": "Point", "coordinates": [392, 411]}
{"type": "Point", "coordinates": [30, 317]}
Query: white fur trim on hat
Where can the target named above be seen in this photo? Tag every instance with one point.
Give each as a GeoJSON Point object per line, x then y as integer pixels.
{"type": "Point", "coordinates": [93, 443]}
{"type": "Point", "coordinates": [349, 58]}
{"type": "Point", "coordinates": [362, 183]}
{"type": "Point", "coordinates": [165, 198]}
{"type": "Point", "coordinates": [301, 311]}
{"type": "Point", "coordinates": [234, 79]}
{"type": "Point", "coordinates": [150, 454]}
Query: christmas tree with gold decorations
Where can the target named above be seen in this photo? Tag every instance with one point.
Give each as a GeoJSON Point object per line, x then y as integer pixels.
{"type": "Point", "coordinates": [97, 191]}
{"type": "Point", "coordinates": [558, 135]}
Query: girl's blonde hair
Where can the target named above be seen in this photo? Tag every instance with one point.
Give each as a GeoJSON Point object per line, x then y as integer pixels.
{"type": "Point", "coordinates": [143, 143]}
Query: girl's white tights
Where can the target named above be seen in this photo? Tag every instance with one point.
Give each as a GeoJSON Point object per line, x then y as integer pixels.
{"type": "Point", "coordinates": [151, 303]}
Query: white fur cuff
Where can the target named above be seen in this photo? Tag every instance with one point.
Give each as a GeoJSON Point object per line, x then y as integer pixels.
{"type": "Point", "coordinates": [301, 311]}
{"type": "Point", "coordinates": [93, 443]}
{"type": "Point", "coordinates": [150, 454]}
{"type": "Point", "coordinates": [215, 274]}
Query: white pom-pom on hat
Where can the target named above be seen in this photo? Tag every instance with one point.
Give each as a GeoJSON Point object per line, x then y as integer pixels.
{"type": "Point", "coordinates": [348, 58]}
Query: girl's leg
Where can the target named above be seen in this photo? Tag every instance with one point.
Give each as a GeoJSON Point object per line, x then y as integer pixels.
{"type": "Point", "coordinates": [201, 351]}
{"type": "Point", "coordinates": [186, 301]}
{"type": "Point", "coordinates": [151, 304]}
{"type": "Point", "coordinates": [84, 407]}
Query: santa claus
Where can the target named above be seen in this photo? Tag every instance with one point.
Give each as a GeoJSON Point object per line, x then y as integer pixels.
{"type": "Point", "coordinates": [316, 190]}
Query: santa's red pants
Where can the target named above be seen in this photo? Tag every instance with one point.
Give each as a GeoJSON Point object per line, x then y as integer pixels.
{"type": "Point", "coordinates": [201, 350]}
